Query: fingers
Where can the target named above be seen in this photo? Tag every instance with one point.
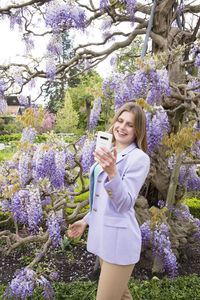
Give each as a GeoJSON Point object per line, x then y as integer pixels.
{"type": "Point", "coordinates": [103, 155]}
{"type": "Point", "coordinates": [73, 233]}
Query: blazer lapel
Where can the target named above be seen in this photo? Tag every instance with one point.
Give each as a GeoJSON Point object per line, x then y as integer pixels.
{"type": "Point", "coordinates": [124, 152]}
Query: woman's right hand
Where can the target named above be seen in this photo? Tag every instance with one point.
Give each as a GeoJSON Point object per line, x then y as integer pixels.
{"type": "Point", "coordinates": [77, 229]}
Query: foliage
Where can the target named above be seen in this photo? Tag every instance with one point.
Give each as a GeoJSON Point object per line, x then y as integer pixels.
{"type": "Point", "coordinates": [38, 118]}
{"type": "Point", "coordinates": [194, 206]}
{"type": "Point", "coordinates": [84, 94]}
{"type": "Point", "coordinates": [66, 117]}
{"type": "Point", "coordinates": [186, 287]}
{"type": "Point", "coordinates": [6, 138]}
{"type": "Point", "coordinates": [123, 62]}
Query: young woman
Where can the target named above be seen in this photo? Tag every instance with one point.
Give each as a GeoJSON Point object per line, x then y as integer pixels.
{"type": "Point", "coordinates": [115, 181]}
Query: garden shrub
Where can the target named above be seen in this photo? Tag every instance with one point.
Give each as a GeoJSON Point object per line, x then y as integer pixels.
{"type": "Point", "coordinates": [194, 206]}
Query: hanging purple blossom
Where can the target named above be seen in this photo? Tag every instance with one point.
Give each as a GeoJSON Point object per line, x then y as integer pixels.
{"type": "Point", "coordinates": [50, 68]}
{"type": "Point", "coordinates": [18, 206]}
{"type": "Point", "coordinates": [16, 18]}
{"type": "Point", "coordinates": [24, 167]}
{"type": "Point", "coordinates": [28, 134]}
{"type": "Point", "coordinates": [18, 79]}
{"type": "Point", "coordinates": [103, 4]}
{"type": "Point", "coordinates": [65, 16]}
{"type": "Point", "coordinates": [34, 210]}
{"type": "Point", "coordinates": [2, 87]}
{"type": "Point", "coordinates": [38, 165]}
{"type": "Point", "coordinates": [3, 105]}
{"type": "Point", "coordinates": [157, 127]}
{"type": "Point", "coordinates": [159, 237]}
{"type": "Point", "coordinates": [22, 286]}
{"type": "Point", "coordinates": [54, 223]}
{"type": "Point", "coordinates": [57, 178]}
{"type": "Point", "coordinates": [69, 159]}
{"type": "Point", "coordinates": [55, 46]}
{"type": "Point", "coordinates": [189, 177]}
{"type": "Point", "coordinates": [94, 116]}
{"type": "Point", "coordinates": [23, 100]}
{"type": "Point", "coordinates": [130, 6]}
{"type": "Point", "coordinates": [86, 154]}
{"type": "Point", "coordinates": [29, 43]}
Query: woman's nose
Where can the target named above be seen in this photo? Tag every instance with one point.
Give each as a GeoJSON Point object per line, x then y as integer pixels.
{"type": "Point", "coordinates": [122, 125]}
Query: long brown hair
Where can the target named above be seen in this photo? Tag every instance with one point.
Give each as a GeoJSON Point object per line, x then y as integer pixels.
{"type": "Point", "coordinates": [139, 123]}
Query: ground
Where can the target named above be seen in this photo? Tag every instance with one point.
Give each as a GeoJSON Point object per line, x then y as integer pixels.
{"type": "Point", "coordinates": [75, 263]}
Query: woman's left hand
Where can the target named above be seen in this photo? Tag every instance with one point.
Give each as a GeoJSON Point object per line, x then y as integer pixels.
{"type": "Point", "coordinates": [107, 160]}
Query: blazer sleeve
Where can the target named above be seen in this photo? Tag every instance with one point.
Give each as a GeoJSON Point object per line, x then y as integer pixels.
{"type": "Point", "coordinates": [86, 218]}
{"type": "Point", "coordinates": [123, 190]}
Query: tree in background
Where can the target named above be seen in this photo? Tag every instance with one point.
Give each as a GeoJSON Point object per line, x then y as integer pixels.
{"type": "Point", "coordinates": [66, 117]}
{"type": "Point", "coordinates": [83, 96]}
{"type": "Point", "coordinates": [54, 91]}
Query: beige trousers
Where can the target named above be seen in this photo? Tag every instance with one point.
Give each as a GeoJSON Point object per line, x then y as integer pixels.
{"type": "Point", "coordinates": [113, 282]}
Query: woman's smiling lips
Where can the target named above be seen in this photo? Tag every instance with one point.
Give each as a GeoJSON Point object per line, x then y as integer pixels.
{"type": "Point", "coordinates": [121, 133]}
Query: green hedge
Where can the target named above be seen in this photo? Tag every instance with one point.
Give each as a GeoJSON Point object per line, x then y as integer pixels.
{"type": "Point", "coordinates": [187, 287]}
{"type": "Point", "coordinates": [194, 206]}
{"type": "Point", "coordinates": [6, 138]}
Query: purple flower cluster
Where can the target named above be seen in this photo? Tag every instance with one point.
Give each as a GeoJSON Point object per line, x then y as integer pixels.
{"type": "Point", "coordinates": [3, 105]}
{"type": "Point", "coordinates": [18, 206]}
{"type": "Point", "coordinates": [130, 6]}
{"type": "Point", "coordinates": [189, 177]}
{"type": "Point", "coordinates": [29, 43]}
{"type": "Point", "coordinates": [18, 79]}
{"type": "Point", "coordinates": [16, 18]}
{"type": "Point", "coordinates": [24, 167]}
{"type": "Point", "coordinates": [146, 233]}
{"type": "Point", "coordinates": [22, 286]}
{"type": "Point", "coordinates": [34, 210]}
{"type": "Point", "coordinates": [23, 100]}
{"type": "Point", "coordinates": [57, 177]}
{"type": "Point", "coordinates": [28, 134]}
{"type": "Point", "coordinates": [103, 4]}
{"type": "Point", "coordinates": [65, 16]}
{"type": "Point", "coordinates": [106, 24]}
{"type": "Point", "coordinates": [55, 46]}
{"type": "Point", "coordinates": [86, 154]}
{"type": "Point", "coordinates": [27, 208]}
{"type": "Point", "coordinates": [151, 84]}
{"type": "Point", "coordinates": [119, 89]}
{"type": "Point", "coordinates": [196, 51]}
{"type": "Point", "coordinates": [2, 87]}
{"type": "Point", "coordinates": [157, 127]}
{"type": "Point", "coordinates": [159, 236]}
{"type": "Point", "coordinates": [54, 223]}
{"type": "Point", "coordinates": [94, 116]}
{"type": "Point", "coordinates": [49, 163]}
{"type": "Point", "coordinates": [69, 159]}
{"type": "Point", "coordinates": [50, 68]}
{"type": "Point", "coordinates": [193, 84]}
{"type": "Point", "coordinates": [183, 213]}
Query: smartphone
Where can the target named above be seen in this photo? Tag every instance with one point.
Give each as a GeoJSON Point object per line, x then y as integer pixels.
{"type": "Point", "coordinates": [104, 139]}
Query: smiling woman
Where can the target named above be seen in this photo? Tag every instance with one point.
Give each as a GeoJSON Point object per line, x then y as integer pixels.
{"type": "Point", "coordinates": [115, 181]}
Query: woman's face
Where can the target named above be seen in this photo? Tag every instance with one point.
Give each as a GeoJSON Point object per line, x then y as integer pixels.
{"type": "Point", "coordinates": [123, 130]}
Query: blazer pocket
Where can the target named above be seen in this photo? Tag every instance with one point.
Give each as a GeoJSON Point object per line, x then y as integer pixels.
{"type": "Point", "coordinates": [115, 222]}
